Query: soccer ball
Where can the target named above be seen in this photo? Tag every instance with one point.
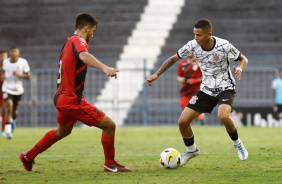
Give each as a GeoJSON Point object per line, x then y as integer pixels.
{"type": "Point", "coordinates": [170, 158]}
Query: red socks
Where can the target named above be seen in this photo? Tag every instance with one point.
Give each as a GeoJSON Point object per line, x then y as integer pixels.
{"type": "Point", "coordinates": [48, 140]}
{"type": "Point", "coordinates": [108, 143]}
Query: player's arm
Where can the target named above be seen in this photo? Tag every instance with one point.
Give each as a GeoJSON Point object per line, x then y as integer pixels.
{"type": "Point", "coordinates": [90, 60]}
{"type": "Point", "coordinates": [166, 65]}
{"type": "Point", "coordinates": [242, 65]}
{"type": "Point", "coordinates": [2, 76]}
{"type": "Point", "coordinates": [24, 75]}
{"type": "Point", "coordinates": [181, 80]}
{"type": "Point", "coordinates": [194, 80]}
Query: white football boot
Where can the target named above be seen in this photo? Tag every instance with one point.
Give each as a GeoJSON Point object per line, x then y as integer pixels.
{"type": "Point", "coordinates": [241, 150]}
{"type": "Point", "coordinates": [188, 155]}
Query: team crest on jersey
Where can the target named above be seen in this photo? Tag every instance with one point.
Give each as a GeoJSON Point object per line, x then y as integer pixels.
{"type": "Point", "coordinates": [216, 57]}
{"type": "Point", "coordinates": [193, 100]}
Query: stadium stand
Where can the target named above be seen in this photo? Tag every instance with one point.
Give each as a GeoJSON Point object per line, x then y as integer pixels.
{"type": "Point", "coordinates": [40, 28]}
{"type": "Point", "coordinates": [253, 26]}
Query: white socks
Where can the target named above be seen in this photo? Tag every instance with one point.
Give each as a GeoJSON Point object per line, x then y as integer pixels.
{"type": "Point", "coordinates": [237, 141]}
{"type": "Point", "coordinates": [8, 128]}
{"type": "Point", "coordinates": [191, 148]}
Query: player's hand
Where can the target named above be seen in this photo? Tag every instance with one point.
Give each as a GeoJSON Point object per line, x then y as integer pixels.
{"type": "Point", "coordinates": [189, 81]}
{"type": "Point", "coordinates": [15, 73]}
{"type": "Point", "coordinates": [238, 72]}
{"type": "Point", "coordinates": [111, 72]}
{"type": "Point", "coordinates": [181, 80]}
{"type": "Point", "coordinates": [150, 79]}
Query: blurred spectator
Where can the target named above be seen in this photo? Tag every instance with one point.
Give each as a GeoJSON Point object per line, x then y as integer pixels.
{"type": "Point", "coordinates": [277, 95]}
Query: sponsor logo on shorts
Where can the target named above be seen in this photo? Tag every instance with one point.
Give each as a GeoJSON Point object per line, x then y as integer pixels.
{"type": "Point", "coordinates": [193, 100]}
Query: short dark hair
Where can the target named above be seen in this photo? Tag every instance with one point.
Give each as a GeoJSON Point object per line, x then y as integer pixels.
{"type": "Point", "coordinates": [12, 48]}
{"type": "Point", "coordinates": [84, 19]}
{"type": "Point", "coordinates": [3, 51]}
{"type": "Point", "coordinates": [204, 24]}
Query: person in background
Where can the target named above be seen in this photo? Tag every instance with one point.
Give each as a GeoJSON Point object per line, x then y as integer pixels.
{"type": "Point", "coordinates": [3, 56]}
{"type": "Point", "coordinates": [190, 76]}
{"type": "Point", "coordinates": [277, 95]}
{"type": "Point", "coordinates": [16, 69]}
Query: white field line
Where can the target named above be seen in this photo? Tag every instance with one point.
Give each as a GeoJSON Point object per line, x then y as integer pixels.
{"type": "Point", "coordinates": [133, 155]}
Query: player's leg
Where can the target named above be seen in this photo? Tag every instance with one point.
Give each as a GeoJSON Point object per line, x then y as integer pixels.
{"type": "Point", "coordinates": [108, 141]}
{"type": "Point", "coordinates": [199, 103]}
{"type": "Point", "coordinates": [92, 116]}
{"type": "Point", "coordinates": [184, 124]}
{"type": "Point", "coordinates": [184, 100]}
{"type": "Point", "coordinates": [14, 116]}
{"type": "Point", "coordinates": [2, 118]}
{"type": "Point", "coordinates": [8, 106]}
{"type": "Point", "coordinates": [224, 110]}
{"type": "Point", "coordinates": [201, 119]}
{"type": "Point", "coordinates": [43, 144]}
{"type": "Point", "coordinates": [16, 100]}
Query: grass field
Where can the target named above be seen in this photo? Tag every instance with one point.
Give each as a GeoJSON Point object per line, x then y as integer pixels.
{"type": "Point", "coordinates": [79, 157]}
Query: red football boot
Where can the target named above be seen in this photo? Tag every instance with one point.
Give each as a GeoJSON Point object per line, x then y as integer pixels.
{"type": "Point", "coordinates": [115, 167]}
{"type": "Point", "coordinates": [26, 163]}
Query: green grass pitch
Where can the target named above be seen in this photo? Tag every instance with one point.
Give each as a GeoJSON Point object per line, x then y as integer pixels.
{"type": "Point", "coordinates": [79, 157]}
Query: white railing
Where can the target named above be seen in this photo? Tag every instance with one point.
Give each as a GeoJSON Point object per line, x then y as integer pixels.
{"type": "Point", "coordinates": [154, 105]}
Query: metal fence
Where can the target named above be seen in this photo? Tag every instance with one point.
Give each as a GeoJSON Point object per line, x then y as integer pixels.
{"type": "Point", "coordinates": [155, 105]}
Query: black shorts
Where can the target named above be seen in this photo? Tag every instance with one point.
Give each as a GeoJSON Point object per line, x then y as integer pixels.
{"type": "Point", "coordinates": [14, 98]}
{"type": "Point", "coordinates": [202, 102]}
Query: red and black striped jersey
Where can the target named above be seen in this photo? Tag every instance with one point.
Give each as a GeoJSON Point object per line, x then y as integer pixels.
{"type": "Point", "coordinates": [189, 70]}
{"type": "Point", "coordinates": [72, 72]}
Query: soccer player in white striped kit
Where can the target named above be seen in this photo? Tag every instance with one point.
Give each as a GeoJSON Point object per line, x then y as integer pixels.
{"type": "Point", "coordinates": [217, 88]}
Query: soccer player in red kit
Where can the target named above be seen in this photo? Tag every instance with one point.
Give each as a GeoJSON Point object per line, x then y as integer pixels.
{"type": "Point", "coordinates": [69, 101]}
{"type": "Point", "coordinates": [190, 76]}
{"type": "Point", "coordinates": [3, 56]}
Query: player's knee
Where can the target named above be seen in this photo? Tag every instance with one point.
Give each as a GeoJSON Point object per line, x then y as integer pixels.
{"type": "Point", "coordinates": [9, 104]}
{"type": "Point", "coordinates": [182, 124]}
{"type": "Point", "coordinates": [61, 134]}
{"type": "Point", "coordinates": [15, 114]}
{"type": "Point", "coordinates": [111, 126]}
{"type": "Point", "coordinates": [223, 118]}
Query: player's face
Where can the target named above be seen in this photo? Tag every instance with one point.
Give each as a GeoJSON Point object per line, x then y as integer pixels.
{"type": "Point", "coordinates": [14, 54]}
{"type": "Point", "coordinates": [190, 59]}
{"type": "Point", "coordinates": [201, 36]}
{"type": "Point", "coordinates": [91, 30]}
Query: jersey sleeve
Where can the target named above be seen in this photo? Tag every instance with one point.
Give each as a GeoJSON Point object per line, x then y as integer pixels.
{"type": "Point", "coordinates": [185, 51]}
{"type": "Point", "coordinates": [26, 67]}
{"type": "Point", "coordinates": [233, 53]}
{"type": "Point", "coordinates": [80, 45]}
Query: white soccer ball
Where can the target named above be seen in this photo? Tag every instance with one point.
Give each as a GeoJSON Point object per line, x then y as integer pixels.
{"type": "Point", "coordinates": [170, 158]}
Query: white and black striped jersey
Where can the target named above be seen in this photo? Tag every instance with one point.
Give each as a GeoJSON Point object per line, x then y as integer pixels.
{"type": "Point", "coordinates": [213, 63]}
